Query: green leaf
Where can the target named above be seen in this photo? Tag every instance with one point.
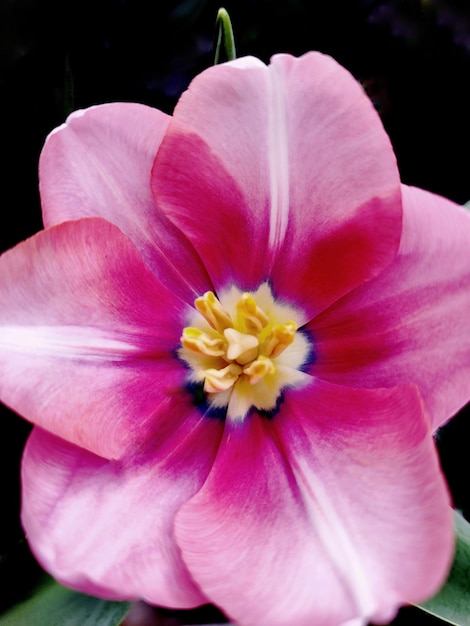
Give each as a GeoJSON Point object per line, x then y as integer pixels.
{"type": "Point", "coordinates": [54, 605]}
{"type": "Point", "coordinates": [452, 603]}
{"type": "Point", "coordinates": [224, 38]}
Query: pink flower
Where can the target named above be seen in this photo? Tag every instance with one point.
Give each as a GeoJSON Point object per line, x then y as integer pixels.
{"type": "Point", "coordinates": [236, 336]}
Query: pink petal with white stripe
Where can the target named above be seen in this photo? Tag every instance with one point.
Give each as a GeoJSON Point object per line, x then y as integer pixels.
{"type": "Point", "coordinates": [409, 325]}
{"type": "Point", "coordinates": [87, 335]}
{"type": "Point", "coordinates": [334, 510]}
{"type": "Point", "coordinates": [106, 527]}
{"type": "Point", "coordinates": [98, 164]}
{"type": "Point", "coordinates": [282, 172]}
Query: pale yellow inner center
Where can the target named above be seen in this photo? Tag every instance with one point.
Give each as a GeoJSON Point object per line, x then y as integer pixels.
{"type": "Point", "coordinates": [237, 346]}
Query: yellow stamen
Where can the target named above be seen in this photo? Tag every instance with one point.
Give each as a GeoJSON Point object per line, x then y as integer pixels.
{"type": "Point", "coordinates": [221, 380]}
{"type": "Point", "coordinates": [198, 341]}
{"type": "Point", "coordinates": [215, 314]}
{"type": "Point", "coordinates": [255, 318]}
{"type": "Point", "coordinates": [241, 347]}
{"type": "Point", "coordinates": [282, 335]}
{"type": "Point", "coordinates": [259, 369]}
{"type": "Point", "coordinates": [231, 347]}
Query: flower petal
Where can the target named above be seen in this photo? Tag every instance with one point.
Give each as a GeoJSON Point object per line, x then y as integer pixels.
{"type": "Point", "coordinates": [335, 510]}
{"type": "Point", "coordinates": [411, 324]}
{"type": "Point", "coordinates": [87, 336]}
{"type": "Point", "coordinates": [282, 172]}
{"type": "Point", "coordinates": [98, 164]}
{"type": "Point", "coordinates": [106, 527]}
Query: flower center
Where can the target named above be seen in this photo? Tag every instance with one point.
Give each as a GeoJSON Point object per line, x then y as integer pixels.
{"type": "Point", "coordinates": [235, 349]}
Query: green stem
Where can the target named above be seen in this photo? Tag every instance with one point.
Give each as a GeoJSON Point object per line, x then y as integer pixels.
{"type": "Point", "coordinates": [225, 38]}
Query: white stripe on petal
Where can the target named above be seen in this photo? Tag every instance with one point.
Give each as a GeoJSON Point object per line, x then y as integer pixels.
{"type": "Point", "coordinates": [65, 342]}
{"type": "Point", "coordinates": [335, 538]}
{"type": "Point", "coordinates": [278, 159]}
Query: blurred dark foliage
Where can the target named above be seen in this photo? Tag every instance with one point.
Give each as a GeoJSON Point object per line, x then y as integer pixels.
{"type": "Point", "coordinates": [412, 57]}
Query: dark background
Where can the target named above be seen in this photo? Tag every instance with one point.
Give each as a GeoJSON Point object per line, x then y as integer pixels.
{"type": "Point", "coordinates": [412, 57]}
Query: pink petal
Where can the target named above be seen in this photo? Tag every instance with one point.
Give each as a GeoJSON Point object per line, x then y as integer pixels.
{"type": "Point", "coordinates": [411, 324]}
{"type": "Point", "coordinates": [334, 510]}
{"type": "Point", "coordinates": [87, 336]}
{"type": "Point", "coordinates": [106, 527]}
{"type": "Point", "coordinates": [282, 172]}
{"type": "Point", "coordinates": [98, 164]}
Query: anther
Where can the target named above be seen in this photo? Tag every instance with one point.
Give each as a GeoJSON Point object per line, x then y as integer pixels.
{"type": "Point", "coordinates": [259, 369]}
{"type": "Point", "coordinates": [282, 335]}
{"type": "Point", "coordinates": [198, 341]}
{"type": "Point", "coordinates": [214, 313]}
{"type": "Point", "coordinates": [221, 380]}
{"type": "Point", "coordinates": [255, 318]}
